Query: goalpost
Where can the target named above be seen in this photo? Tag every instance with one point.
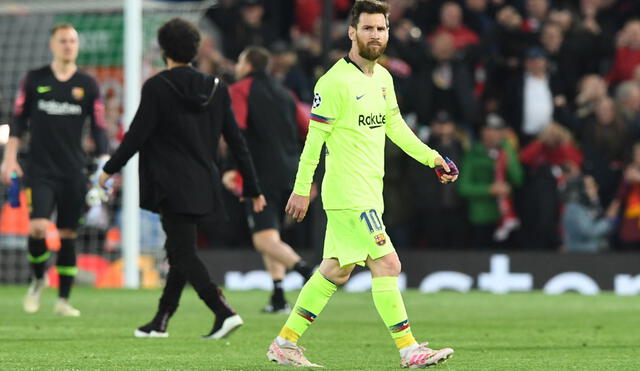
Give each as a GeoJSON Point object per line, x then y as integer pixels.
{"type": "Point", "coordinates": [118, 47]}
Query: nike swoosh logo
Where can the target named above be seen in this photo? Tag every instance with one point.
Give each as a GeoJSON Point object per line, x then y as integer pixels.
{"type": "Point", "coordinates": [43, 89]}
{"type": "Point", "coordinates": [360, 96]}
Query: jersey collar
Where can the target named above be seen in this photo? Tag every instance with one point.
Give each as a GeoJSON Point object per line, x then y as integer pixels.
{"type": "Point", "coordinates": [349, 60]}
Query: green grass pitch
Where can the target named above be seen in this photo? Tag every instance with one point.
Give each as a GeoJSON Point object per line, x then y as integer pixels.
{"type": "Point", "coordinates": [488, 332]}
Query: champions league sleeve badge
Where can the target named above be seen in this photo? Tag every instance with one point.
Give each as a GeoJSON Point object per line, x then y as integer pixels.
{"type": "Point", "coordinates": [317, 99]}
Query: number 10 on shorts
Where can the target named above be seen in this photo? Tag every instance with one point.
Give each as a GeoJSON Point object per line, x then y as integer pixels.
{"type": "Point", "coordinates": [372, 219]}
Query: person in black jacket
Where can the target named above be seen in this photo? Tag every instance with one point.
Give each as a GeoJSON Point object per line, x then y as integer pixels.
{"type": "Point", "coordinates": [176, 129]}
{"type": "Point", "coordinates": [267, 114]}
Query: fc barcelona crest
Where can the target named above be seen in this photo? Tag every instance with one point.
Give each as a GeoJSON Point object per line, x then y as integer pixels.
{"type": "Point", "coordinates": [77, 93]}
{"type": "Point", "coordinates": [384, 93]}
{"type": "Point", "coordinates": [380, 239]}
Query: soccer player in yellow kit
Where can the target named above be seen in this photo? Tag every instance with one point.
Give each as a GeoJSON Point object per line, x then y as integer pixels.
{"type": "Point", "coordinates": [354, 108]}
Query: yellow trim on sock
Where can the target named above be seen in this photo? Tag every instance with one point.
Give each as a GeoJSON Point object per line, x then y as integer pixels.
{"type": "Point", "coordinates": [289, 334]}
{"type": "Point", "coordinates": [404, 341]}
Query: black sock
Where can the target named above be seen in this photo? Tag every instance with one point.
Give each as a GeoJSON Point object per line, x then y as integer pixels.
{"type": "Point", "coordinates": [65, 286]}
{"type": "Point", "coordinates": [278, 294]}
{"type": "Point", "coordinates": [38, 255]}
{"type": "Point", "coordinates": [66, 264]}
{"type": "Point", "coordinates": [304, 270]}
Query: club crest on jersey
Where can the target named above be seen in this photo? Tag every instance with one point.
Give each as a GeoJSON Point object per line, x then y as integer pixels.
{"type": "Point", "coordinates": [317, 100]}
{"type": "Point", "coordinates": [77, 93]}
{"type": "Point", "coordinates": [380, 239]}
{"type": "Point", "coordinates": [384, 93]}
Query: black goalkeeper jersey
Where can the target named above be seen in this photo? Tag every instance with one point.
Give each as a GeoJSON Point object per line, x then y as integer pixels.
{"type": "Point", "coordinates": [54, 112]}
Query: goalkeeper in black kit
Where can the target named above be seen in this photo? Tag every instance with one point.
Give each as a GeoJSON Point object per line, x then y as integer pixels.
{"type": "Point", "coordinates": [177, 127]}
{"type": "Point", "coordinates": [53, 104]}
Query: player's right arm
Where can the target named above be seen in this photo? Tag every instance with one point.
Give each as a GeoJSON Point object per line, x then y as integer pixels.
{"type": "Point", "coordinates": [327, 106]}
{"type": "Point", "coordinates": [17, 127]}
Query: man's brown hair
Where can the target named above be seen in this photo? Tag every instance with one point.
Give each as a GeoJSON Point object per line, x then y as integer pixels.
{"type": "Point", "coordinates": [61, 26]}
{"type": "Point", "coordinates": [258, 57]}
{"type": "Point", "coordinates": [369, 7]}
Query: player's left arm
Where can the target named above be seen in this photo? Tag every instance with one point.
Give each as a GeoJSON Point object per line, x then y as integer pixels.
{"type": "Point", "coordinates": [400, 134]}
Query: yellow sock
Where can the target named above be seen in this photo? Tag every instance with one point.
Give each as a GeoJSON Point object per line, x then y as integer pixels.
{"type": "Point", "coordinates": [288, 334]}
{"type": "Point", "coordinates": [388, 302]}
{"type": "Point", "coordinates": [312, 299]}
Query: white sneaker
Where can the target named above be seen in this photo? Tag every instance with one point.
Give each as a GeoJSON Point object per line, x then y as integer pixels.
{"type": "Point", "coordinates": [151, 330]}
{"type": "Point", "coordinates": [223, 327]}
{"type": "Point", "coordinates": [31, 302]}
{"type": "Point", "coordinates": [423, 357]}
{"type": "Point", "coordinates": [289, 356]}
{"type": "Point", "coordinates": [63, 308]}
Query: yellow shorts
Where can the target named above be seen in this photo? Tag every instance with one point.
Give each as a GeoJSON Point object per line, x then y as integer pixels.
{"type": "Point", "coordinates": [353, 235]}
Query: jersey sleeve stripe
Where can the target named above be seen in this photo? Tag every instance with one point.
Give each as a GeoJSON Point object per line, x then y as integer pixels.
{"type": "Point", "coordinates": [321, 119]}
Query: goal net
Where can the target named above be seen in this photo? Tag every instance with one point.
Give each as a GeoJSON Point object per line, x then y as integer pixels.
{"type": "Point", "coordinates": [24, 36]}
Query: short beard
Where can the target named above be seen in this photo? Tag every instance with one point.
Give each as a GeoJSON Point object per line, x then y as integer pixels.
{"type": "Point", "coordinates": [367, 52]}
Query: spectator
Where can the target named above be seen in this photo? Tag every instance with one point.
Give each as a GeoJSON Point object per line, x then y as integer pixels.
{"type": "Point", "coordinates": [507, 44]}
{"type": "Point", "coordinates": [547, 160]}
{"type": "Point", "coordinates": [478, 17]}
{"type": "Point", "coordinates": [440, 218]}
{"type": "Point", "coordinates": [534, 97]}
{"type": "Point", "coordinates": [628, 103]}
{"type": "Point", "coordinates": [588, 43]}
{"type": "Point", "coordinates": [554, 147]}
{"type": "Point", "coordinates": [407, 43]}
{"type": "Point", "coordinates": [537, 13]}
{"type": "Point", "coordinates": [250, 29]}
{"type": "Point", "coordinates": [628, 198]}
{"type": "Point", "coordinates": [627, 53]}
{"type": "Point", "coordinates": [445, 84]}
{"type": "Point", "coordinates": [591, 90]}
{"type": "Point", "coordinates": [451, 23]}
{"type": "Point", "coordinates": [606, 142]}
{"type": "Point", "coordinates": [512, 41]}
{"type": "Point", "coordinates": [584, 225]}
{"type": "Point", "coordinates": [561, 62]}
{"type": "Point", "coordinates": [286, 70]}
{"type": "Point", "coordinates": [491, 170]}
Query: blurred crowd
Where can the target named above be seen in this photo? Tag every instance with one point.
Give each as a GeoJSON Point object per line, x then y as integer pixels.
{"type": "Point", "coordinates": [538, 101]}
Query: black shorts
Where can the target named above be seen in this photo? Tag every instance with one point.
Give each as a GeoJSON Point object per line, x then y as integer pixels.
{"type": "Point", "coordinates": [272, 215]}
{"type": "Point", "coordinates": [66, 195]}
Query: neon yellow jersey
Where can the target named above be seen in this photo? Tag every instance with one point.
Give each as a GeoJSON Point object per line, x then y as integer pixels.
{"type": "Point", "coordinates": [352, 113]}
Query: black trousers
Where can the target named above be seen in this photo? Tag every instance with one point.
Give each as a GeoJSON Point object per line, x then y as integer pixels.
{"type": "Point", "coordinates": [184, 264]}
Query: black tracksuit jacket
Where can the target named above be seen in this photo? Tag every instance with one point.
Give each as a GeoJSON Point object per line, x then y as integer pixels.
{"type": "Point", "coordinates": [177, 129]}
